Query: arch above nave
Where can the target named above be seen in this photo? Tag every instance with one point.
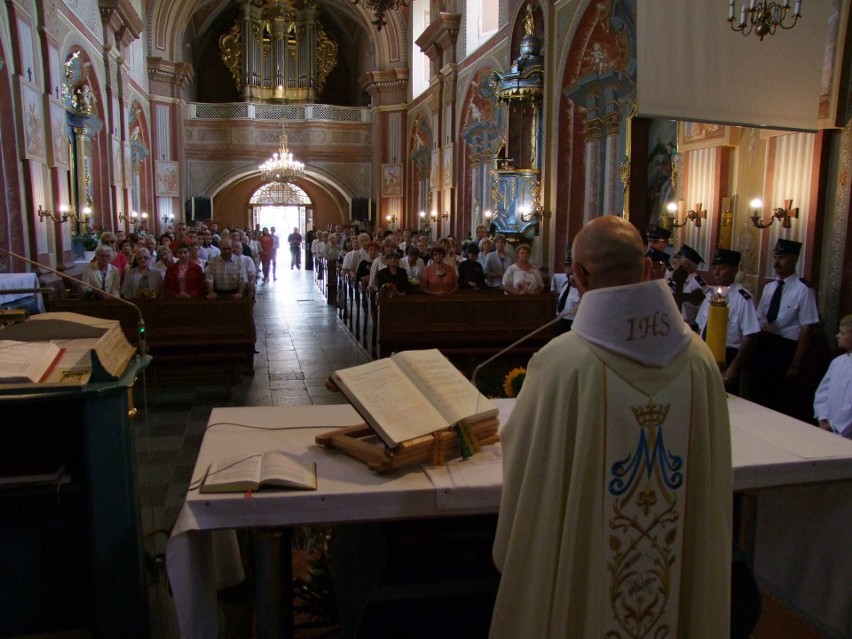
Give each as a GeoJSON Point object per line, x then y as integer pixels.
{"type": "Point", "coordinates": [167, 22]}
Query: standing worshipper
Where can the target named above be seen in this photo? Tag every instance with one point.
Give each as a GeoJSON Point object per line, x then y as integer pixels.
{"type": "Point", "coordinates": [102, 278]}
{"type": "Point", "coordinates": [295, 242]}
{"type": "Point", "coordinates": [833, 401]}
{"type": "Point", "coordinates": [688, 259]}
{"type": "Point", "coordinates": [742, 318]}
{"type": "Point", "coordinates": [615, 513]}
{"type": "Point", "coordinates": [267, 252]}
{"type": "Point", "coordinates": [276, 244]}
{"type": "Point", "coordinates": [787, 314]}
{"type": "Point", "coordinates": [310, 236]}
{"type": "Point", "coordinates": [567, 296]}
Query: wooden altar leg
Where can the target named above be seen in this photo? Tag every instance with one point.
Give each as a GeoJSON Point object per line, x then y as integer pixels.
{"type": "Point", "coordinates": [274, 578]}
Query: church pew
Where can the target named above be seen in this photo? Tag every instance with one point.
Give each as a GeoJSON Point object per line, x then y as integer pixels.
{"type": "Point", "coordinates": [212, 338]}
{"type": "Point", "coordinates": [465, 323]}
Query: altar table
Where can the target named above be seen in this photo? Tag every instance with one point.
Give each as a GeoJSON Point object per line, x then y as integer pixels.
{"type": "Point", "coordinates": [12, 281]}
{"type": "Point", "coordinates": [770, 451]}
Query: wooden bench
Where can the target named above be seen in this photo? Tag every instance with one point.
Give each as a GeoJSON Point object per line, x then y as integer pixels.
{"type": "Point", "coordinates": [188, 337]}
{"type": "Point", "coordinates": [475, 323]}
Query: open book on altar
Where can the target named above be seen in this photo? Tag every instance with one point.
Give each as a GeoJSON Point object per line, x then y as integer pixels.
{"type": "Point", "coordinates": [275, 469]}
{"type": "Point", "coordinates": [92, 349]}
{"type": "Point", "coordinates": [411, 394]}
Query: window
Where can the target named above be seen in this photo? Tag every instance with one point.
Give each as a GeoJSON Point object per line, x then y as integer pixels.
{"type": "Point", "coordinates": [419, 61]}
{"type": "Point", "coordinates": [483, 20]}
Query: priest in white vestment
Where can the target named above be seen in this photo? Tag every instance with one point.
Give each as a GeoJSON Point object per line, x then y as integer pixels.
{"type": "Point", "coordinates": [615, 517]}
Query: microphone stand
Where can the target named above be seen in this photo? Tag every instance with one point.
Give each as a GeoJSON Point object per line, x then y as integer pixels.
{"type": "Point", "coordinates": [141, 324]}
{"type": "Point", "coordinates": [510, 347]}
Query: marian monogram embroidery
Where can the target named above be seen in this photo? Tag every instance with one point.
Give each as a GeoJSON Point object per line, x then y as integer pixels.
{"type": "Point", "coordinates": [643, 513]}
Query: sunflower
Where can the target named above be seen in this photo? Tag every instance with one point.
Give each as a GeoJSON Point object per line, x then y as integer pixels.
{"type": "Point", "coordinates": [513, 382]}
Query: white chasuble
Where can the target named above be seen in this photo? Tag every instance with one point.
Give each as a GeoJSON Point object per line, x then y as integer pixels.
{"type": "Point", "coordinates": [646, 457]}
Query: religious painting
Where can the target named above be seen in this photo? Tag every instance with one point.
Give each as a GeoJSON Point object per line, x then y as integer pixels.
{"type": "Point", "coordinates": [447, 167]}
{"type": "Point", "coordinates": [128, 165]}
{"type": "Point", "coordinates": [701, 135]}
{"type": "Point", "coordinates": [435, 170]}
{"type": "Point", "coordinates": [116, 161]}
{"type": "Point", "coordinates": [59, 139]}
{"type": "Point", "coordinates": [34, 143]}
{"type": "Point", "coordinates": [167, 178]}
{"type": "Point", "coordinates": [391, 180]}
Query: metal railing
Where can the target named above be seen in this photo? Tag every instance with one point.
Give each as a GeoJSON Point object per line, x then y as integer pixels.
{"type": "Point", "coordinates": [277, 112]}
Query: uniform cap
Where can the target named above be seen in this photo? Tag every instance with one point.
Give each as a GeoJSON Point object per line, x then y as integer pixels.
{"type": "Point", "coordinates": [689, 253]}
{"type": "Point", "coordinates": [787, 246]}
{"type": "Point", "coordinates": [726, 256]}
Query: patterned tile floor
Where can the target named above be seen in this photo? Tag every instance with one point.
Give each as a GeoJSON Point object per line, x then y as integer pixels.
{"type": "Point", "coordinates": [300, 341]}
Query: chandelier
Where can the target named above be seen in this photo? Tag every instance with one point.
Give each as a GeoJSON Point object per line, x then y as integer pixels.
{"type": "Point", "coordinates": [281, 167]}
{"type": "Point", "coordinates": [764, 17]}
{"type": "Point", "coordinates": [380, 8]}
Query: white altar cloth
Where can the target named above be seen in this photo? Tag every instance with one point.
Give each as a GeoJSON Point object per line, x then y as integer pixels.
{"type": "Point", "coordinates": [17, 281]}
{"type": "Point", "coordinates": [769, 450]}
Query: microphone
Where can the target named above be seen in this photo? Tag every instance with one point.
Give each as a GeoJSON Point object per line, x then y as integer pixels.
{"type": "Point", "coordinates": [142, 346]}
{"type": "Point", "coordinates": [510, 347]}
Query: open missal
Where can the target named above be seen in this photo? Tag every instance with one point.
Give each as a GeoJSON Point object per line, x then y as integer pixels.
{"type": "Point", "coordinates": [411, 394]}
{"type": "Point", "coordinates": [274, 469]}
{"type": "Point", "coordinates": [27, 362]}
{"type": "Point", "coordinates": [91, 349]}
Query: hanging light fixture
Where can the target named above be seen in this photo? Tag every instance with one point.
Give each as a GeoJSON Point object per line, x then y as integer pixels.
{"type": "Point", "coordinates": [764, 17]}
{"type": "Point", "coordinates": [281, 167]}
{"type": "Point", "coordinates": [380, 8]}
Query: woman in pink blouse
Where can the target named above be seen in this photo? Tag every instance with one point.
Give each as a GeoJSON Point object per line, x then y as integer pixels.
{"type": "Point", "coordinates": [437, 277]}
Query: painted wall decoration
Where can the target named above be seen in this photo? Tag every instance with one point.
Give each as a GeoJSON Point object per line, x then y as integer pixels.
{"type": "Point", "coordinates": [34, 146]}
{"type": "Point", "coordinates": [483, 119]}
{"type": "Point", "coordinates": [419, 147]}
{"type": "Point", "coordinates": [167, 178]}
{"type": "Point", "coordinates": [662, 140]}
{"type": "Point", "coordinates": [391, 180]}
{"type": "Point", "coordinates": [447, 172]}
{"type": "Point", "coordinates": [700, 135]}
{"type": "Point", "coordinates": [59, 139]}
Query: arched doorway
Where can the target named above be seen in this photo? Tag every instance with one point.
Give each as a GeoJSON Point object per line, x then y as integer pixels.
{"type": "Point", "coordinates": [281, 205]}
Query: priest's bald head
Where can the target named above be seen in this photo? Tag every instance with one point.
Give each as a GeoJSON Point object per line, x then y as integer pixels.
{"type": "Point", "coordinates": [609, 251]}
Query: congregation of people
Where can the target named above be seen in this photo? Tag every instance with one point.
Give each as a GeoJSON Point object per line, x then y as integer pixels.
{"type": "Point", "coordinates": [183, 262]}
{"type": "Point", "coordinates": [767, 339]}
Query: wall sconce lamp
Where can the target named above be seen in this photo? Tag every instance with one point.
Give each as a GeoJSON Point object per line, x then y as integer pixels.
{"type": "Point", "coordinates": [65, 213]}
{"type": "Point", "coordinates": [695, 216]}
{"type": "Point", "coordinates": [488, 215]}
{"type": "Point", "coordinates": [434, 217]}
{"type": "Point", "coordinates": [134, 217]}
{"type": "Point", "coordinates": [783, 215]}
{"type": "Point", "coordinates": [168, 218]}
{"type": "Point", "coordinates": [445, 216]}
{"type": "Point", "coordinates": [423, 221]}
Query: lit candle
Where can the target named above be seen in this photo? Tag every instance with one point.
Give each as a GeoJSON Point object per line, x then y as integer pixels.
{"type": "Point", "coordinates": [717, 325]}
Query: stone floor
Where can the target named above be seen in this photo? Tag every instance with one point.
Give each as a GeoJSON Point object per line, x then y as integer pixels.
{"type": "Point", "coordinates": [299, 342]}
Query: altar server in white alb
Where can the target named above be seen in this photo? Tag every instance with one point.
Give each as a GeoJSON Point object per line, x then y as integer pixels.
{"type": "Point", "coordinates": [615, 516]}
{"type": "Point", "coordinates": [742, 317]}
{"type": "Point", "coordinates": [833, 401]}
